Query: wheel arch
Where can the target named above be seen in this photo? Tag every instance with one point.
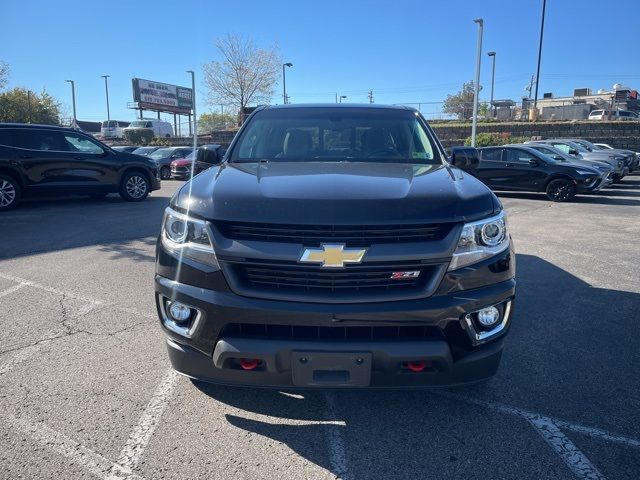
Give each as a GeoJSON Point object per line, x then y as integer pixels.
{"type": "Point", "coordinates": [13, 173]}
{"type": "Point", "coordinates": [559, 176]}
{"type": "Point", "coordinates": [133, 169]}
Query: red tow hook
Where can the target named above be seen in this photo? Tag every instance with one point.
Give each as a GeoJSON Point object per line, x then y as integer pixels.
{"type": "Point", "coordinates": [249, 363]}
{"type": "Point", "coordinates": [416, 367]}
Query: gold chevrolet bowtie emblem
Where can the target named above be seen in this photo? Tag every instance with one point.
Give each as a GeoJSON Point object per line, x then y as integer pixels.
{"type": "Point", "coordinates": [333, 255]}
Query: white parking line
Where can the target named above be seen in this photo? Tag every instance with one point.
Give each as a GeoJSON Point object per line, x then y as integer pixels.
{"type": "Point", "coordinates": [76, 453]}
{"type": "Point", "coordinates": [46, 288]}
{"type": "Point", "coordinates": [15, 288]}
{"type": "Point", "coordinates": [576, 427]}
{"type": "Point", "coordinates": [549, 429]}
{"type": "Point", "coordinates": [565, 448]}
{"type": "Point", "coordinates": [139, 439]}
{"type": "Point", "coordinates": [337, 452]}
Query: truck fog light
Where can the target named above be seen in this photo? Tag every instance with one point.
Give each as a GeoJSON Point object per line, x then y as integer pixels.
{"type": "Point", "coordinates": [488, 316]}
{"type": "Point", "coordinates": [179, 312]}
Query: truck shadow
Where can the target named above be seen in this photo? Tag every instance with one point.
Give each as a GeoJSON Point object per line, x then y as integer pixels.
{"type": "Point", "coordinates": [568, 363]}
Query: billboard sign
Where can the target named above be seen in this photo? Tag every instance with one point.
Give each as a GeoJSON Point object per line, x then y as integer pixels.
{"type": "Point", "coordinates": [163, 97]}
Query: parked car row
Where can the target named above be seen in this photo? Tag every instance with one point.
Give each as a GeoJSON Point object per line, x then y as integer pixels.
{"type": "Point", "coordinates": [617, 115]}
{"type": "Point", "coordinates": [42, 160]}
{"type": "Point", "coordinates": [561, 168]}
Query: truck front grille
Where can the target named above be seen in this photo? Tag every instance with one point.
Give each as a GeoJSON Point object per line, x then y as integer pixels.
{"type": "Point", "coordinates": [309, 332]}
{"type": "Point", "coordinates": [353, 283]}
{"type": "Point", "coordinates": [358, 235]}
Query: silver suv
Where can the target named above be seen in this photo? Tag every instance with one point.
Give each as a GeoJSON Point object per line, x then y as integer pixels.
{"type": "Point", "coordinates": [616, 160]}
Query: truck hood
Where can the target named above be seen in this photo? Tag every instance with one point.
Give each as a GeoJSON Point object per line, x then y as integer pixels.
{"type": "Point", "coordinates": [332, 193]}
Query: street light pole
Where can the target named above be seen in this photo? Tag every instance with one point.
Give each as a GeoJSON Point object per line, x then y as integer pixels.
{"type": "Point", "coordinates": [474, 125]}
{"type": "Point", "coordinates": [493, 79]}
{"type": "Point", "coordinates": [535, 98]}
{"type": "Point", "coordinates": [284, 81]}
{"type": "Point", "coordinates": [106, 89]}
{"type": "Point", "coordinates": [341, 97]}
{"type": "Point", "coordinates": [73, 101]}
{"type": "Point", "coordinates": [195, 117]}
{"type": "Point", "coordinates": [29, 106]}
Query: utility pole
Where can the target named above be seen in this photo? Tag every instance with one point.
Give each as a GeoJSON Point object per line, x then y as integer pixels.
{"type": "Point", "coordinates": [195, 117]}
{"type": "Point", "coordinates": [29, 105]}
{"type": "Point", "coordinates": [474, 124]}
{"type": "Point", "coordinates": [73, 101]}
{"type": "Point", "coordinates": [370, 95]}
{"type": "Point", "coordinates": [493, 79]}
{"type": "Point", "coordinates": [285, 99]}
{"type": "Point", "coordinates": [535, 99]}
{"type": "Point", "coordinates": [106, 89]}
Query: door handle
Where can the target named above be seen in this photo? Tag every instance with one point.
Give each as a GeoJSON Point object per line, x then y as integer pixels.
{"type": "Point", "coordinates": [26, 156]}
{"type": "Point", "coordinates": [509, 164]}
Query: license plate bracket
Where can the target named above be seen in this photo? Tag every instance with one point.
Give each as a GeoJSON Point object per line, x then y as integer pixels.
{"type": "Point", "coordinates": [331, 369]}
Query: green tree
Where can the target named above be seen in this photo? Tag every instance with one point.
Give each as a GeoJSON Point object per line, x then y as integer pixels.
{"type": "Point", "coordinates": [245, 74]}
{"type": "Point", "coordinates": [461, 103]}
{"type": "Point", "coordinates": [208, 122]}
{"type": "Point", "coordinates": [22, 106]}
{"type": "Point", "coordinates": [4, 74]}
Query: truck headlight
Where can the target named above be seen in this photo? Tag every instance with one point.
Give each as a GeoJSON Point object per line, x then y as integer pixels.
{"type": "Point", "coordinates": [481, 239]}
{"type": "Point", "coordinates": [189, 237]}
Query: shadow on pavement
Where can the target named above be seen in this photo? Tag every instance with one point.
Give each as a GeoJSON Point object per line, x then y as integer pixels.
{"type": "Point", "coordinates": [601, 198]}
{"type": "Point", "coordinates": [64, 223]}
{"type": "Point", "coordinates": [571, 354]}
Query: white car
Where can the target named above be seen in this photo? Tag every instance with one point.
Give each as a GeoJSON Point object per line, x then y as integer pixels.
{"type": "Point", "coordinates": [160, 128]}
{"type": "Point", "coordinates": [617, 115]}
{"type": "Point", "coordinates": [113, 128]}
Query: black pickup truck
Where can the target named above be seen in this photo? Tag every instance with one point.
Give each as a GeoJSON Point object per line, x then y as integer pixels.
{"type": "Point", "coordinates": [335, 246]}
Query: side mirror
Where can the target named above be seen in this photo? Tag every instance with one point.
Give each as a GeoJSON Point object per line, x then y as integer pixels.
{"type": "Point", "coordinates": [465, 158]}
{"type": "Point", "coordinates": [533, 163]}
{"type": "Point", "coordinates": [208, 155]}
{"type": "Point", "coordinates": [573, 151]}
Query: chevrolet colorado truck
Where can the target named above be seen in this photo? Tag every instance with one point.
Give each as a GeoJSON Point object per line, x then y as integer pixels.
{"type": "Point", "coordinates": [335, 246]}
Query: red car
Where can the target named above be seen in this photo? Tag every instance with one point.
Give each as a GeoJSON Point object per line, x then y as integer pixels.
{"type": "Point", "coordinates": [181, 168]}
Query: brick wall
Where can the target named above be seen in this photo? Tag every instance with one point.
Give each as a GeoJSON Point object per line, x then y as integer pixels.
{"type": "Point", "coordinates": [617, 134]}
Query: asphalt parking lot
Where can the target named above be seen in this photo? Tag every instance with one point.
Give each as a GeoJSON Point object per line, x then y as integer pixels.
{"type": "Point", "coordinates": [86, 390]}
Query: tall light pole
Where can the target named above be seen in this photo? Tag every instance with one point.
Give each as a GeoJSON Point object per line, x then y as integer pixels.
{"type": "Point", "coordinates": [474, 125]}
{"type": "Point", "coordinates": [106, 89]}
{"type": "Point", "coordinates": [493, 79]}
{"type": "Point", "coordinates": [284, 82]}
{"type": "Point", "coordinates": [341, 97]}
{"type": "Point", "coordinates": [535, 98]}
{"type": "Point", "coordinates": [195, 118]}
{"type": "Point", "coordinates": [73, 101]}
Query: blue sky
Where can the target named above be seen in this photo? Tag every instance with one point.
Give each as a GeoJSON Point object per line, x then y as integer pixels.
{"type": "Point", "coordinates": [406, 51]}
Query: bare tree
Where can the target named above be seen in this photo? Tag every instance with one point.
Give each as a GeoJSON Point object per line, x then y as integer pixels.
{"type": "Point", "coordinates": [245, 75]}
{"type": "Point", "coordinates": [4, 74]}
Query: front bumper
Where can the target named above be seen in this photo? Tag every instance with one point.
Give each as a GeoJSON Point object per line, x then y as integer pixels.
{"type": "Point", "coordinates": [452, 356]}
{"type": "Point", "coordinates": [180, 172]}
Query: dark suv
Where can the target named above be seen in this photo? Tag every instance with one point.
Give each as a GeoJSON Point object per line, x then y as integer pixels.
{"type": "Point", "coordinates": [42, 160]}
{"type": "Point", "coordinates": [523, 168]}
{"type": "Point", "coordinates": [335, 246]}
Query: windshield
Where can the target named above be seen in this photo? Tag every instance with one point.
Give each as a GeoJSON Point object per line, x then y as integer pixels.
{"type": "Point", "coordinates": [141, 124]}
{"type": "Point", "coordinates": [336, 134]}
{"type": "Point", "coordinates": [578, 147]}
{"type": "Point", "coordinates": [162, 153]}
